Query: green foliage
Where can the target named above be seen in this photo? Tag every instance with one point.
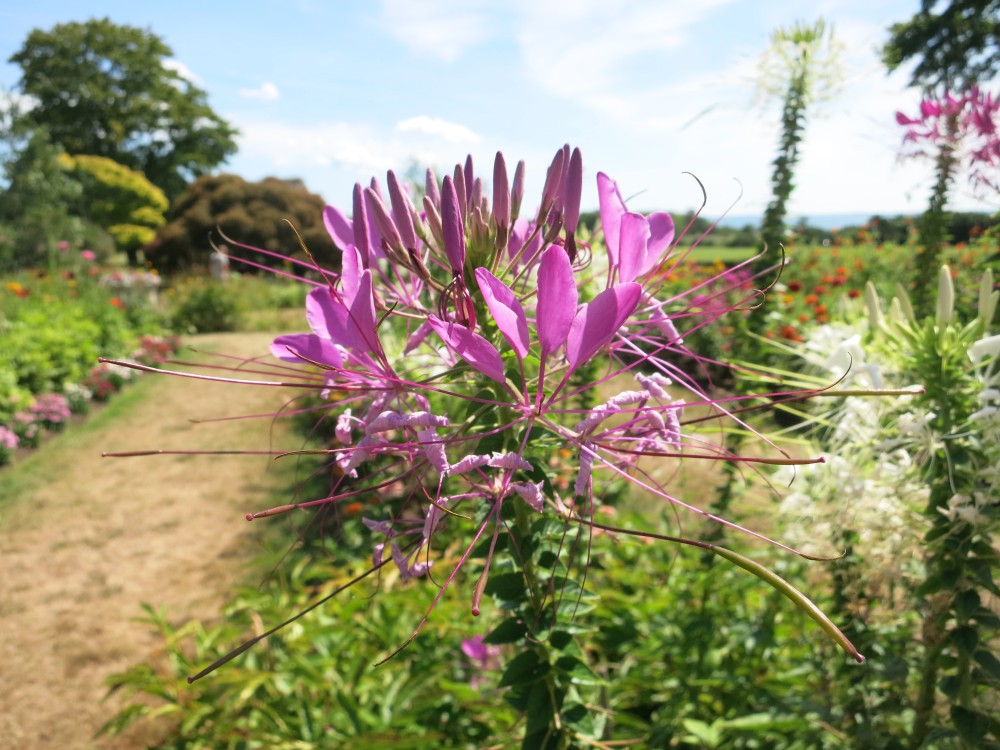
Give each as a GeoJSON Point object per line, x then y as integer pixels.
{"type": "Point", "coordinates": [35, 204]}
{"type": "Point", "coordinates": [204, 306]}
{"type": "Point", "coordinates": [957, 46]}
{"type": "Point", "coordinates": [105, 90]}
{"type": "Point", "coordinates": [250, 213]}
{"type": "Point", "coordinates": [314, 683]}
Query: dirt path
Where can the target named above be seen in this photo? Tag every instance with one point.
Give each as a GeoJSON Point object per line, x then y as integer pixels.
{"type": "Point", "coordinates": [80, 551]}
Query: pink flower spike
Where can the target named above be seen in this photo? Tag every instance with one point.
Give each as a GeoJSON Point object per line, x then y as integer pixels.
{"type": "Point", "coordinates": [612, 209]}
{"type": "Point", "coordinates": [506, 310]}
{"type": "Point", "coordinates": [557, 298]}
{"type": "Point", "coordinates": [599, 320]}
{"type": "Point", "coordinates": [461, 190]}
{"type": "Point", "coordinates": [470, 346]}
{"type": "Point", "coordinates": [339, 227]}
{"type": "Point", "coordinates": [633, 239]}
{"type": "Point", "coordinates": [451, 225]}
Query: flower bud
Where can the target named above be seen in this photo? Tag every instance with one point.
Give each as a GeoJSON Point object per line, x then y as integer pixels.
{"type": "Point", "coordinates": [517, 191]}
{"type": "Point", "coordinates": [875, 318]}
{"type": "Point", "coordinates": [431, 189]}
{"type": "Point", "coordinates": [402, 212]}
{"type": "Point", "coordinates": [946, 297]}
{"type": "Point", "coordinates": [360, 224]}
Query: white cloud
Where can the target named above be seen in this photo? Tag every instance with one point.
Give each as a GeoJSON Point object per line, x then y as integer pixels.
{"type": "Point", "coordinates": [442, 28]}
{"type": "Point", "coordinates": [435, 126]}
{"type": "Point", "coordinates": [266, 92]}
{"type": "Point", "coordinates": [182, 70]}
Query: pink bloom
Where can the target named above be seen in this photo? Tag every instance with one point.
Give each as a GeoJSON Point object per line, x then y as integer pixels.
{"type": "Point", "coordinates": [88, 255]}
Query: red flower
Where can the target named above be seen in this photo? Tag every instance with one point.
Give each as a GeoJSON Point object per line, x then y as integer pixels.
{"type": "Point", "coordinates": [115, 302]}
{"type": "Point", "coordinates": [819, 289]}
{"type": "Point", "coordinates": [794, 286]}
{"type": "Point", "coordinates": [854, 293]}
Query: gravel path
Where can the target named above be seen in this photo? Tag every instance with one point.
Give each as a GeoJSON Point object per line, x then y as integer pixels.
{"type": "Point", "coordinates": [84, 548]}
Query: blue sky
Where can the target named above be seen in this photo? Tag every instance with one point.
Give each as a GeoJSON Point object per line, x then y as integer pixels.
{"type": "Point", "coordinates": [333, 92]}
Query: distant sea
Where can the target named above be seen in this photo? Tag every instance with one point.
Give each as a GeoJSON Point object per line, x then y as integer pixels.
{"type": "Point", "coordinates": [820, 221]}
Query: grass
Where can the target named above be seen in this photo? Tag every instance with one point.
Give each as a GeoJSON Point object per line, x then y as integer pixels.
{"type": "Point", "coordinates": [709, 254]}
{"type": "Point", "coordinates": [27, 474]}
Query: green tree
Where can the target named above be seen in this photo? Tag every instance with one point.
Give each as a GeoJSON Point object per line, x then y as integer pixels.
{"type": "Point", "coordinates": [956, 46]}
{"type": "Point", "coordinates": [121, 201]}
{"type": "Point", "coordinates": [35, 199]}
{"type": "Point", "coordinates": [251, 213]}
{"type": "Point", "coordinates": [104, 90]}
{"type": "Point", "coordinates": [800, 68]}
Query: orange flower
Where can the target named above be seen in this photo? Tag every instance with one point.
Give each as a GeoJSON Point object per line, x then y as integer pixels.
{"type": "Point", "coordinates": [115, 302]}
{"type": "Point", "coordinates": [811, 299]}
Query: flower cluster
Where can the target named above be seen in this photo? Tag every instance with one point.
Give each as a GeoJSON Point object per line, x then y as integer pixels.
{"type": "Point", "coordinates": [9, 442]}
{"type": "Point", "coordinates": [461, 345]}
{"type": "Point", "coordinates": [51, 410]}
{"type": "Point", "coordinates": [966, 124]}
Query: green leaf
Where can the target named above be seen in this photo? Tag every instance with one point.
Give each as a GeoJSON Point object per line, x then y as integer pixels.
{"type": "Point", "coordinates": [967, 604]}
{"type": "Point", "coordinates": [989, 663]}
{"type": "Point", "coordinates": [578, 672]}
{"type": "Point", "coordinates": [507, 586]}
{"type": "Point", "coordinates": [524, 669]}
{"type": "Point", "coordinates": [510, 630]}
{"type": "Point", "coordinates": [971, 725]}
{"type": "Point", "coordinates": [965, 639]}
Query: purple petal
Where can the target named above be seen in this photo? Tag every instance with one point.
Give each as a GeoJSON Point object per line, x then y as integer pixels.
{"type": "Point", "coordinates": [361, 328]}
{"type": "Point", "coordinates": [557, 298]}
{"type": "Point", "coordinates": [612, 208]}
{"type": "Point", "coordinates": [506, 310]}
{"type": "Point", "coordinates": [339, 227]}
{"type": "Point", "coordinates": [634, 236]}
{"type": "Point", "coordinates": [599, 320]}
{"type": "Point", "coordinates": [471, 347]}
{"type": "Point", "coordinates": [310, 346]}
{"type": "Point", "coordinates": [324, 313]}
{"type": "Point", "coordinates": [661, 229]}
{"type": "Point", "coordinates": [451, 225]}
{"type": "Point", "coordinates": [350, 273]}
